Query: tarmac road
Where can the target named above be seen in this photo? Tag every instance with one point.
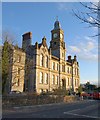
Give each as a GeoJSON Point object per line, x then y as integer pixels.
{"type": "Point", "coordinates": [81, 109]}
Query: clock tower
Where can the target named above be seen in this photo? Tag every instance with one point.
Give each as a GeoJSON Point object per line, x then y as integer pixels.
{"type": "Point", "coordinates": [57, 43]}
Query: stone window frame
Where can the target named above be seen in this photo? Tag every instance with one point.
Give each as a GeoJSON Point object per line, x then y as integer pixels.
{"type": "Point", "coordinates": [57, 66]}
{"type": "Point", "coordinates": [67, 69]}
{"type": "Point", "coordinates": [63, 68]}
{"type": "Point", "coordinates": [53, 65]}
{"type": "Point", "coordinates": [53, 79]}
{"type": "Point", "coordinates": [57, 79]}
{"type": "Point", "coordinates": [68, 81]}
{"type": "Point", "coordinates": [46, 61]}
{"type": "Point", "coordinates": [41, 60]}
{"type": "Point", "coordinates": [46, 78]}
{"type": "Point", "coordinates": [41, 78]}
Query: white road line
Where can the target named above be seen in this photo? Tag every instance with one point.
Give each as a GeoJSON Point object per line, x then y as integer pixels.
{"type": "Point", "coordinates": [77, 110]}
{"type": "Point", "coordinates": [82, 115]}
{"type": "Point", "coordinates": [81, 109]}
{"type": "Point", "coordinates": [72, 111]}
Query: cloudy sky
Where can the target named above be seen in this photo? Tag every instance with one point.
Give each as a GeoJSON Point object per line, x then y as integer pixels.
{"type": "Point", "coordinates": [39, 18]}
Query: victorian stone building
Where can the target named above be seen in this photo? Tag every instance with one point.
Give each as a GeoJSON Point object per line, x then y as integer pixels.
{"type": "Point", "coordinates": [41, 68]}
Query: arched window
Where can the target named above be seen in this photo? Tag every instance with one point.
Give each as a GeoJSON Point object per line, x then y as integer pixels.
{"type": "Point", "coordinates": [74, 71]}
{"type": "Point", "coordinates": [53, 79]}
{"type": "Point", "coordinates": [75, 82]}
{"type": "Point", "coordinates": [41, 77]}
{"type": "Point", "coordinates": [53, 65]}
{"type": "Point", "coordinates": [57, 66]}
{"type": "Point", "coordinates": [68, 70]}
{"type": "Point", "coordinates": [68, 81]}
{"type": "Point", "coordinates": [46, 61]}
{"type": "Point", "coordinates": [41, 60]}
{"type": "Point", "coordinates": [46, 78]}
{"type": "Point", "coordinates": [63, 68]}
{"type": "Point", "coordinates": [56, 80]}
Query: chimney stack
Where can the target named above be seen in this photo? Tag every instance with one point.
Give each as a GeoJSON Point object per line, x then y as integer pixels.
{"type": "Point", "coordinates": [27, 36]}
{"type": "Point", "coordinates": [26, 40]}
{"type": "Point", "coordinates": [69, 57]}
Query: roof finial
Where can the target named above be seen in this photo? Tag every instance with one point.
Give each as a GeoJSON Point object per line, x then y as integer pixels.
{"type": "Point", "coordinates": [56, 18]}
{"type": "Point", "coordinates": [44, 37]}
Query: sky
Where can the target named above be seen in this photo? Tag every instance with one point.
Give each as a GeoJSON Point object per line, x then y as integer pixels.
{"type": "Point", "coordinates": [21, 17]}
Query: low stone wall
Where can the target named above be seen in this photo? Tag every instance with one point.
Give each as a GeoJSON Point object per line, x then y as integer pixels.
{"type": "Point", "coordinates": [10, 101]}
{"type": "Point", "coordinates": [13, 101]}
{"type": "Point", "coordinates": [70, 98]}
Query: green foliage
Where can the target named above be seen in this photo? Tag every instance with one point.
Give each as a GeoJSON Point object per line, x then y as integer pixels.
{"type": "Point", "coordinates": [5, 64]}
{"type": "Point", "coordinates": [60, 91]}
{"type": "Point", "coordinates": [80, 89]}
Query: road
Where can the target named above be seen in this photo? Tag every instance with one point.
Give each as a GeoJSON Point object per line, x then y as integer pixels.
{"type": "Point", "coordinates": [81, 109]}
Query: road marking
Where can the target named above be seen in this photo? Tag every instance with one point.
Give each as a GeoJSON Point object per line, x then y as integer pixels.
{"type": "Point", "coordinates": [77, 111]}
{"type": "Point", "coordinates": [82, 115]}
{"type": "Point", "coordinates": [82, 108]}
{"type": "Point", "coordinates": [72, 111]}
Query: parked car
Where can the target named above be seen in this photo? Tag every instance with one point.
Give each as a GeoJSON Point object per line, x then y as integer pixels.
{"type": "Point", "coordinates": [86, 95]}
{"type": "Point", "coordinates": [96, 95]}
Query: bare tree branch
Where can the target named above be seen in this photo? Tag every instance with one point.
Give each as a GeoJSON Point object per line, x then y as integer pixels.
{"type": "Point", "coordinates": [91, 17]}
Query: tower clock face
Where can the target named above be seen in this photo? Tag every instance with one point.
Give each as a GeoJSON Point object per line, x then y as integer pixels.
{"type": "Point", "coordinates": [55, 35]}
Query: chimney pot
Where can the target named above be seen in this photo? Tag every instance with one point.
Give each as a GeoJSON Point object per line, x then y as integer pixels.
{"type": "Point", "coordinates": [27, 36]}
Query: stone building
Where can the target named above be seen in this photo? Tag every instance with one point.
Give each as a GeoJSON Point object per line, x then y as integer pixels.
{"type": "Point", "coordinates": [40, 68]}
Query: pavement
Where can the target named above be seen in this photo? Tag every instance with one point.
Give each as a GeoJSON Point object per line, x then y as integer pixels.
{"type": "Point", "coordinates": [80, 109]}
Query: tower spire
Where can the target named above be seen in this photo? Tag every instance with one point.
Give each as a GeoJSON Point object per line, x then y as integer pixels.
{"type": "Point", "coordinates": [57, 24]}
{"type": "Point", "coordinates": [56, 18]}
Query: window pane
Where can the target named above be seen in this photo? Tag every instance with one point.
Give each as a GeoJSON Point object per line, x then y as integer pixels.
{"type": "Point", "coordinates": [41, 77]}
{"type": "Point", "coordinates": [46, 61]}
{"type": "Point", "coordinates": [41, 60]}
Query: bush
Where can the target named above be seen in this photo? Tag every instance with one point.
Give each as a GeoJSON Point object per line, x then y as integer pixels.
{"type": "Point", "coordinates": [60, 91]}
{"type": "Point", "coordinates": [69, 98]}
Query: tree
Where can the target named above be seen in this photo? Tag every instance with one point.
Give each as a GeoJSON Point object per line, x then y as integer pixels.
{"type": "Point", "coordinates": [80, 90]}
{"type": "Point", "coordinates": [92, 16]}
{"type": "Point", "coordinates": [12, 55]}
{"type": "Point", "coordinates": [6, 52]}
{"type": "Point", "coordinates": [60, 91]}
{"type": "Point", "coordinates": [9, 37]}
